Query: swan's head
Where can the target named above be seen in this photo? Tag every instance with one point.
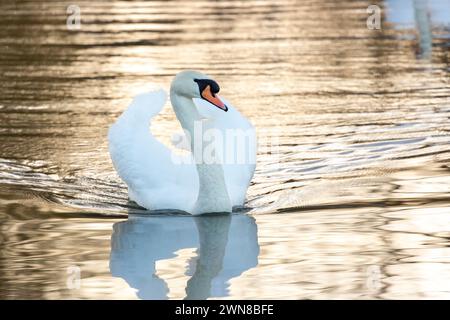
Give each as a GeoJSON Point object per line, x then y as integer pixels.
{"type": "Point", "coordinates": [193, 84]}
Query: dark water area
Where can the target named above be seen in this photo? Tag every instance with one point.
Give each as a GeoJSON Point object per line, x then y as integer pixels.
{"type": "Point", "coordinates": [354, 202]}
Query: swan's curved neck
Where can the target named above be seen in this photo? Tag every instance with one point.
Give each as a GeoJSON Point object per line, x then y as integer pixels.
{"type": "Point", "coordinates": [185, 110]}
{"type": "Point", "coordinates": [212, 195]}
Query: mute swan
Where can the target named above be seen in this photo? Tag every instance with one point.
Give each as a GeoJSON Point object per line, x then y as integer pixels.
{"type": "Point", "coordinates": [157, 178]}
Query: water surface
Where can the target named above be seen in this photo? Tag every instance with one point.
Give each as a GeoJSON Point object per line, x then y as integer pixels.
{"type": "Point", "coordinates": [352, 203]}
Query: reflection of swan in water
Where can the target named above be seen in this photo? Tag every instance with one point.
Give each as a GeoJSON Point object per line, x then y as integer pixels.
{"type": "Point", "coordinates": [424, 15]}
{"type": "Point", "coordinates": [423, 25]}
{"type": "Point", "coordinates": [227, 246]}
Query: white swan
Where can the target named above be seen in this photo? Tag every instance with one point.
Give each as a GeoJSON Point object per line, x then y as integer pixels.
{"type": "Point", "coordinates": [159, 179]}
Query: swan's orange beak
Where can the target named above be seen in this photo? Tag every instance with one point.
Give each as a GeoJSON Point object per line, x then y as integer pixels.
{"type": "Point", "coordinates": [213, 98]}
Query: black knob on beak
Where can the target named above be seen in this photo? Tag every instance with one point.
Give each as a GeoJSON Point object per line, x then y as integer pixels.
{"type": "Point", "coordinates": [203, 83]}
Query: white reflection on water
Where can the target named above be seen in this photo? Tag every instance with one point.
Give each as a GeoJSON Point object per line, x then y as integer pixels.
{"type": "Point", "coordinates": [226, 247]}
{"type": "Point", "coordinates": [403, 12]}
{"type": "Point", "coordinates": [423, 15]}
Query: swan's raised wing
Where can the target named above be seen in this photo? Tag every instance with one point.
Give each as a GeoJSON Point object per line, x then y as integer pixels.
{"type": "Point", "coordinates": [156, 177]}
{"type": "Point", "coordinates": [238, 147]}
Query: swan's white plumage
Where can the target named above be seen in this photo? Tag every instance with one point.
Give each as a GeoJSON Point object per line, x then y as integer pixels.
{"type": "Point", "coordinates": [156, 177]}
{"type": "Point", "coordinates": [146, 165]}
{"type": "Point", "coordinates": [237, 175]}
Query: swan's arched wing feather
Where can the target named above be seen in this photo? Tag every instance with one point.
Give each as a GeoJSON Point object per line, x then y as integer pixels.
{"type": "Point", "coordinates": [149, 168]}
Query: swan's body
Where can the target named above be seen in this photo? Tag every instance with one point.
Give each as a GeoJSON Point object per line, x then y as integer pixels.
{"type": "Point", "coordinates": [159, 179]}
